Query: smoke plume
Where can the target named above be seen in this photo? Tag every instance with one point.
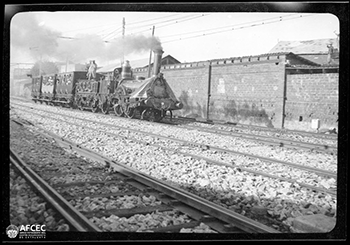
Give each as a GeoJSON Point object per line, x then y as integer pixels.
{"type": "Point", "coordinates": [27, 35]}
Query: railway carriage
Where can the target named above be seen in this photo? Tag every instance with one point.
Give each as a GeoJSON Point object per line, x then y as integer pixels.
{"type": "Point", "coordinates": [48, 88]}
{"type": "Point", "coordinates": [66, 86]}
{"type": "Point", "coordinates": [36, 88]}
{"type": "Point", "coordinates": [87, 93]}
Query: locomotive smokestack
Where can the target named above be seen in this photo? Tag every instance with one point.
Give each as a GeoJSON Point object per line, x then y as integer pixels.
{"type": "Point", "coordinates": [157, 61]}
{"type": "Point", "coordinates": [126, 70]}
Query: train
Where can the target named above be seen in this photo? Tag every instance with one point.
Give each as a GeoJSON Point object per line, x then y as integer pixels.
{"type": "Point", "coordinates": [127, 95]}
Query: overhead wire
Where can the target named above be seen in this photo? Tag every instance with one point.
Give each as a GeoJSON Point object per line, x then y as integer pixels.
{"type": "Point", "coordinates": [186, 18]}
{"type": "Point", "coordinates": [232, 29]}
{"type": "Point", "coordinates": [223, 27]}
{"type": "Point", "coordinates": [143, 21]}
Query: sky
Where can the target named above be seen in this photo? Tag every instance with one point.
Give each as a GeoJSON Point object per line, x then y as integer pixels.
{"type": "Point", "coordinates": [187, 36]}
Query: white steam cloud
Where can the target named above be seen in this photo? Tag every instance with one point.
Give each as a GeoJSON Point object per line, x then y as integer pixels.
{"type": "Point", "coordinates": [27, 33]}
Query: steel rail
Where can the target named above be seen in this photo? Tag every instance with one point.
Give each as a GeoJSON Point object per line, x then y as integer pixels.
{"type": "Point", "coordinates": [208, 147]}
{"type": "Point", "coordinates": [293, 181]}
{"type": "Point", "coordinates": [204, 146]}
{"type": "Point", "coordinates": [73, 217]}
{"type": "Point", "coordinates": [326, 136]}
{"type": "Point", "coordinates": [188, 198]}
{"type": "Point", "coordinates": [238, 125]}
{"type": "Point", "coordinates": [268, 139]}
{"type": "Point", "coordinates": [261, 128]}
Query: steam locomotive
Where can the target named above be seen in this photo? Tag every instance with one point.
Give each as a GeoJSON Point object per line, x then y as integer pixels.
{"type": "Point", "coordinates": [127, 96]}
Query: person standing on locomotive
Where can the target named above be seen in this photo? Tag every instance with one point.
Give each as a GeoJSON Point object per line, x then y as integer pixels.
{"type": "Point", "coordinates": [92, 70]}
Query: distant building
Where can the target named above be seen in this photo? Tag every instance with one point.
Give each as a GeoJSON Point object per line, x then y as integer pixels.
{"type": "Point", "coordinates": [320, 51]}
{"type": "Point", "coordinates": [20, 73]}
{"type": "Point", "coordinates": [68, 67]}
{"type": "Point", "coordinates": [142, 63]}
{"type": "Point", "coordinates": [19, 79]}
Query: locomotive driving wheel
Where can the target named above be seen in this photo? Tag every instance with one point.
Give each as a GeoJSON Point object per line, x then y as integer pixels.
{"type": "Point", "coordinates": [105, 107]}
{"type": "Point", "coordinates": [152, 115]}
{"type": "Point", "coordinates": [129, 112]}
{"type": "Point", "coordinates": [94, 106]}
{"type": "Point", "coordinates": [118, 110]}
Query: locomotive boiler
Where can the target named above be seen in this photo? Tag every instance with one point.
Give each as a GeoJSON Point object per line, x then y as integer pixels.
{"type": "Point", "coordinates": [149, 98]}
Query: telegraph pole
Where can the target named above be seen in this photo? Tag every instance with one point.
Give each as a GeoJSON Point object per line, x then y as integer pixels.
{"type": "Point", "coordinates": [150, 56]}
{"type": "Point", "coordinates": [123, 38]}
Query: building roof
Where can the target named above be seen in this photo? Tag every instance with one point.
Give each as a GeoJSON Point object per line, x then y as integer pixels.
{"type": "Point", "coordinates": [316, 46]}
{"type": "Point", "coordinates": [317, 58]}
{"type": "Point", "coordinates": [140, 63]}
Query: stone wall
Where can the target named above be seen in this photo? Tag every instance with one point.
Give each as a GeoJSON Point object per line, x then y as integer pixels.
{"type": "Point", "coordinates": [312, 96]}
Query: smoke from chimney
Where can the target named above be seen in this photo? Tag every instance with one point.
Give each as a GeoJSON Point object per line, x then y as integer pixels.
{"type": "Point", "coordinates": [26, 33]}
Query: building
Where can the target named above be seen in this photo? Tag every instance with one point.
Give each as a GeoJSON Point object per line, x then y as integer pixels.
{"type": "Point", "coordinates": [69, 67]}
{"type": "Point", "coordinates": [141, 63]}
{"type": "Point", "coordinates": [19, 80]}
{"type": "Point", "coordinates": [318, 51]}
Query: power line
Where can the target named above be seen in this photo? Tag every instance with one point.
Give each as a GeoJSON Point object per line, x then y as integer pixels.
{"type": "Point", "coordinates": [223, 27]}
{"type": "Point", "coordinates": [143, 21]}
{"type": "Point", "coordinates": [232, 29]}
{"type": "Point", "coordinates": [187, 18]}
{"type": "Point", "coordinates": [194, 17]}
{"type": "Point", "coordinates": [116, 31]}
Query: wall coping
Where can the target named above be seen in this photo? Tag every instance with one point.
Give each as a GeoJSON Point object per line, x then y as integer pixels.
{"type": "Point", "coordinates": [252, 59]}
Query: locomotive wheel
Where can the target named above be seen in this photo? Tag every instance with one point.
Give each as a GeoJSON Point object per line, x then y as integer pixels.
{"type": "Point", "coordinates": [118, 110]}
{"type": "Point", "coordinates": [81, 105]}
{"type": "Point", "coordinates": [94, 107]}
{"type": "Point", "coordinates": [129, 112]}
{"type": "Point", "coordinates": [105, 107]}
{"type": "Point", "coordinates": [151, 115]}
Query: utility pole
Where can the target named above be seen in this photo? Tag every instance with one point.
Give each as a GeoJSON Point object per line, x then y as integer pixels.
{"type": "Point", "coordinates": [123, 38]}
{"type": "Point", "coordinates": [150, 56]}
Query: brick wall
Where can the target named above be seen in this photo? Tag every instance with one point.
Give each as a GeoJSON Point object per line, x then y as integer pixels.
{"type": "Point", "coordinates": [251, 90]}
{"type": "Point", "coordinates": [244, 90]}
{"type": "Point", "coordinates": [190, 85]}
{"type": "Point", "coordinates": [248, 92]}
{"type": "Point", "coordinates": [311, 96]}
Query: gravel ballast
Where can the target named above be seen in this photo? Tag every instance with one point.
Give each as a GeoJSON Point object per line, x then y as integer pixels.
{"type": "Point", "coordinates": [233, 189]}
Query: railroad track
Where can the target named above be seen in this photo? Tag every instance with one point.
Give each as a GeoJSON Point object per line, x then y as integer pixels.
{"type": "Point", "coordinates": [171, 198]}
{"type": "Point", "coordinates": [292, 131]}
{"type": "Point", "coordinates": [271, 140]}
{"type": "Point", "coordinates": [268, 139]}
{"type": "Point", "coordinates": [177, 149]}
{"type": "Point", "coordinates": [62, 206]}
